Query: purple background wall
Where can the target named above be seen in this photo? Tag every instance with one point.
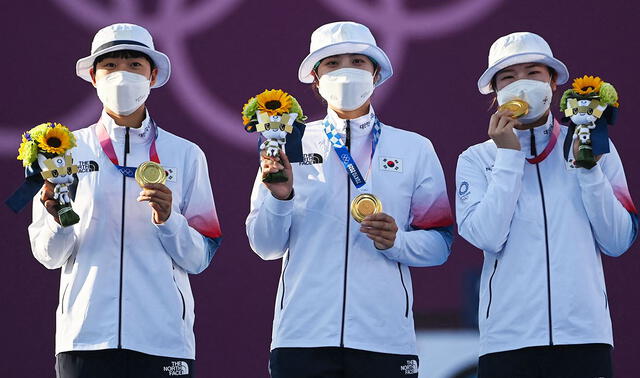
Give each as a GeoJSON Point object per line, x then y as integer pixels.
{"type": "Point", "coordinates": [225, 51]}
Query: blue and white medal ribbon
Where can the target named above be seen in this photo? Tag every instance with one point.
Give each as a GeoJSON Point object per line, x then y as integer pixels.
{"type": "Point", "coordinates": [344, 155]}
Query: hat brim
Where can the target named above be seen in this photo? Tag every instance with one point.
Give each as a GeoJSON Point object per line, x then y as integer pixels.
{"type": "Point", "coordinates": [306, 67]}
{"type": "Point", "coordinates": [484, 83]}
{"type": "Point", "coordinates": [161, 61]}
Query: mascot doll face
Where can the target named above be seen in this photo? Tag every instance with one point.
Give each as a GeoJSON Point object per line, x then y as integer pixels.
{"type": "Point", "coordinates": [274, 134]}
{"type": "Point", "coordinates": [275, 127]}
{"type": "Point", "coordinates": [58, 169]}
{"type": "Point", "coordinates": [584, 113]}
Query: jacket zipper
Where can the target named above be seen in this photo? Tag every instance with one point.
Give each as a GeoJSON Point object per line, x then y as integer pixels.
{"type": "Point", "coordinates": [124, 191]}
{"type": "Point", "coordinates": [346, 243]}
{"type": "Point", "coordinates": [495, 267]}
{"type": "Point", "coordinates": [406, 293]}
{"type": "Point", "coordinates": [284, 270]}
{"type": "Point", "coordinates": [546, 238]}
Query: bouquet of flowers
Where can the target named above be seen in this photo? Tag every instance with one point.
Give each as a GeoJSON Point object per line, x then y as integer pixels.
{"type": "Point", "coordinates": [45, 148]}
{"type": "Point", "coordinates": [276, 115]}
{"type": "Point", "coordinates": [589, 107]}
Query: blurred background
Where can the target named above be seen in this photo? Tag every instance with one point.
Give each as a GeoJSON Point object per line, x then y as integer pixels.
{"type": "Point", "coordinates": [225, 51]}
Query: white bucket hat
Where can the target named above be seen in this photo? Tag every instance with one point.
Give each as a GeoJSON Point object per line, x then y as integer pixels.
{"type": "Point", "coordinates": [344, 37]}
{"type": "Point", "coordinates": [124, 37]}
{"type": "Point", "coordinates": [516, 48]}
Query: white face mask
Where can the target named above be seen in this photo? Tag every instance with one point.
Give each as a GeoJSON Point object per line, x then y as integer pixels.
{"type": "Point", "coordinates": [534, 92]}
{"type": "Point", "coordinates": [346, 88]}
{"type": "Point", "coordinates": [123, 92]}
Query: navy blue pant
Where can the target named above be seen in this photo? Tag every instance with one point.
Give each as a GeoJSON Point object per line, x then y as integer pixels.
{"type": "Point", "coordinates": [334, 362]}
{"type": "Point", "coordinates": [120, 363]}
{"type": "Point", "coordinates": [557, 361]}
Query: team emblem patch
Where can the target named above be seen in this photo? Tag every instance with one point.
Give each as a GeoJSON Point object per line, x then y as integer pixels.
{"type": "Point", "coordinates": [390, 164]}
{"type": "Point", "coordinates": [463, 190]}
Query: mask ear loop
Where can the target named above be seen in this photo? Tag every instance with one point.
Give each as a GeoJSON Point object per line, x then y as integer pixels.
{"type": "Point", "coordinates": [376, 74]}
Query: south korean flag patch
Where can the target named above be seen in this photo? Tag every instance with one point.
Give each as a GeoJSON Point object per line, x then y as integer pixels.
{"type": "Point", "coordinates": [390, 164]}
{"type": "Point", "coordinates": [171, 173]}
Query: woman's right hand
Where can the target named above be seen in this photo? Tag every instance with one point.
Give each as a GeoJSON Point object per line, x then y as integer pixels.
{"type": "Point", "coordinates": [48, 201]}
{"type": "Point", "coordinates": [501, 128]}
{"type": "Point", "coordinates": [280, 190]}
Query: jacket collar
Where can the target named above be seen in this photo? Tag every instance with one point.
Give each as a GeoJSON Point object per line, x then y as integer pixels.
{"type": "Point", "coordinates": [542, 135]}
{"type": "Point", "coordinates": [359, 127]}
{"type": "Point", "coordinates": [140, 135]}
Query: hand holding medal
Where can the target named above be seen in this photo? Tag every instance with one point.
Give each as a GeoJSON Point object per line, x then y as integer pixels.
{"type": "Point", "coordinates": [151, 177]}
{"type": "Point", "coordinates": [381, 228]}
{"type": "Point", "coordinates": [363, 205]}
{"type": "Point", "coordinates": [517, 107]}
{"type": "Point", "coordinates": [150, 172]}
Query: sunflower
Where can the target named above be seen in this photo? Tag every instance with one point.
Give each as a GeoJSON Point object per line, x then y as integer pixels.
{"type": "Point", "coordinates": [57, 139]}
{"type": "Point", "coordinates": [586, 84]}
{"type": "Point", "coordinates": [274, 102]}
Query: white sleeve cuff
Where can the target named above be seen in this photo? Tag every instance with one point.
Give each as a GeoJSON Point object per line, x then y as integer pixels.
{"type": "Point", "coordinates": [394, 252]}
{"type": "Point", "coordinates": [171, 225]}
{"type": "Point", "coordinates": [56, 228]}
{"type": "Point", "coordinates": [591, 176]}
{"type": "Point", "coordinates": [510, 160]}
{"type": "Point", "coordinates": [276, 206]}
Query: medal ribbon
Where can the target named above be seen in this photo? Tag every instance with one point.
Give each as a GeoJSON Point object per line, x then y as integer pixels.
{"type": "Point", "coordinates": [343, 152]}
{"type": "Point", "coordinates": [107, 148]}
{"type": "Point", "coordinates": [552, 143]}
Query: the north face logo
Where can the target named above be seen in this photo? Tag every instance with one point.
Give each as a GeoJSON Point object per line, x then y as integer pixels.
{"type": "Point", "coordinates": [309, 159]}
{"type": "Point", "coordinates": [177, 368]}
{"type": "Point", "coordinates": [87, 166]}
{"type": "Point", "coordinates": [411, 367]}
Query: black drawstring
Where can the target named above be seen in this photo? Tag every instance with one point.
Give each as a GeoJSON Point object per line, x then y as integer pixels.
{"type": "Point", "coordinates": [533, 143]}
{"type": "Point", "coordinates": [126, 145]}
{"type": "Point", "coordinates": [348, 132]}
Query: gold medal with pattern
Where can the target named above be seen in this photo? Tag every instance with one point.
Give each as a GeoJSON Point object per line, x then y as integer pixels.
{"type": "Point", "coordinates": [517, 107]}
{"type": "Point", "coordinates": [150, 173]}
{"type": "Point", "coordinates": [364, 205]}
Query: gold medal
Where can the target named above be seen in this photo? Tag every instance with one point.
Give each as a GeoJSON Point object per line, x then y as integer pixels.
{"type": "Point", "coordinates": [150, 173]}
{"type": "Point", "coordinates": [517, 107]}
{"type": "Point", "coordinates": [363, 205]}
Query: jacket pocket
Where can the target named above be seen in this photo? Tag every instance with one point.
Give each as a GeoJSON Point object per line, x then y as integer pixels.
{"type": "Point", "coordinates": [64, 294]}
{"type": "Point", "coordinates": [406, 293]}
{"type": "Point", "coordinates": [495, 266]}
{"type": "Point", "coordinates": [184, 307]}
{"type": "Point", "coordinates": [284, 270]}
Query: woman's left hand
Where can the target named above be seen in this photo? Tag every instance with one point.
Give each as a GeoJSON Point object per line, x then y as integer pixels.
{"type": "Point", "coordinates": [381, 228]}
{"type": "Point", "coordinates": [160, 198]}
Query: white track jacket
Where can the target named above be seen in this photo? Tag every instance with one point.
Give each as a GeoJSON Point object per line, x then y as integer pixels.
{"type": "Point", "coordinates": [124, 281]}
{"type": "Point", "coordinates": [336, 288]}
{"type": "Point", "coordinates": [543, 228]}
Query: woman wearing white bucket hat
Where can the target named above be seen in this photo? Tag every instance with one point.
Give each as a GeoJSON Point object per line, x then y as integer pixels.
{"type": "Point", "coordinates": [343, 307]}
{"type": "Point", "coordinates": [126, 308]}
{"type": "Point", "coordinates": [542, 224]}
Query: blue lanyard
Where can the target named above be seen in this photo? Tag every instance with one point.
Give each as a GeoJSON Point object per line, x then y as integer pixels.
{"type": "Point", "coordinates": [343, 152]}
